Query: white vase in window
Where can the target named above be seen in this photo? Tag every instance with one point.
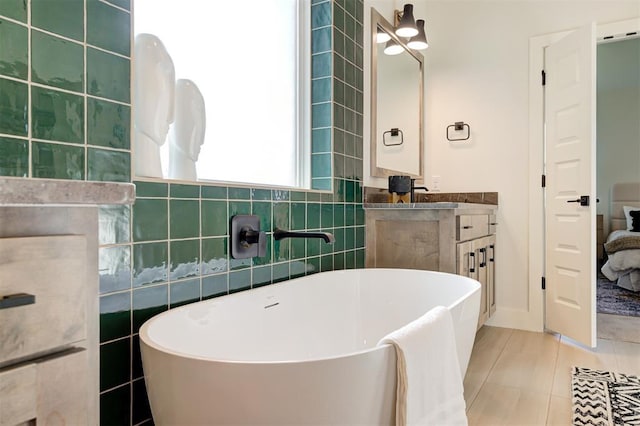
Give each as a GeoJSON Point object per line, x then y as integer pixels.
{"type": "Point", "coordinates": [187, 132]}
{"type": "Point", "coordinates": [153, 87]}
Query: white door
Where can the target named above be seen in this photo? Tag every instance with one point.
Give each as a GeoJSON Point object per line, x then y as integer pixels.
{"type": "Point", "coordinates": [570, 170]}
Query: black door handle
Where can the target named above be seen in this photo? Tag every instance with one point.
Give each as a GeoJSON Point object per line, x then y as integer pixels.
{"type": "Point", "coordinates": [17, 299]}
{"type": "Point", "coordinates": [583, 200]}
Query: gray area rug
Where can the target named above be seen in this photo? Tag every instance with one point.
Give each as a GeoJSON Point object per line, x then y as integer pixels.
{"type": "Point", "coordinates": [616, 300]}
{"type": "Point", "coordinates": [604, 398]}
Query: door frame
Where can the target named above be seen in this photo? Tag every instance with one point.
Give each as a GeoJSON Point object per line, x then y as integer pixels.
{"type": "Point", "coordinates": [536, 161]}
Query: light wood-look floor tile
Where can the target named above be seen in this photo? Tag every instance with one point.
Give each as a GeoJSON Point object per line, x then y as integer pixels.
{"type": "Point", "coordinates": [506, 405]}
{"type": "Point", "coordinates": [489, 343]}
{"type": "Point", "coordinates": [559, 411]}
{"type": "Point", "coordinates": [527, 361]}
{"type": "Point", "coordinates": [571, 354]}
{"type": "Point", "coordinates": [524, 378]}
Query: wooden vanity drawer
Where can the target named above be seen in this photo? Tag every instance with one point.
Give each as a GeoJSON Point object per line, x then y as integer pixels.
{"type": "Point", "coordinates": [470, 226]}
{"type": "Point", "coordinates": [52, 270]}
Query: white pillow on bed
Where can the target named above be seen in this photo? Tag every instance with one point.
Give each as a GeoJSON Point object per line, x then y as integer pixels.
{"type": "Point", "coordinates": [627, 215]}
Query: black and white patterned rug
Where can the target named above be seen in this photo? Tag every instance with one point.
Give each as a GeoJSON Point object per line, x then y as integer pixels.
{"type": "Point", "coordinates": [604, 398]}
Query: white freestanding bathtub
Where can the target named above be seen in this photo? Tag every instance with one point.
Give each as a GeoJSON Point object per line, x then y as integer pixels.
{"type": "Point", "coordinates": [299, 352]}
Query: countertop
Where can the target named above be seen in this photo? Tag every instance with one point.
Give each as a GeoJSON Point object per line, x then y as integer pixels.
{"type": "Point", "coordinates": [441, 205]}
{"type": "Point", "coordinates": [29, 192]}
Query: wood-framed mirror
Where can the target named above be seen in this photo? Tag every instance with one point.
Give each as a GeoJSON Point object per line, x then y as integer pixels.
{"type": "Point", "coordinates": [397, 104]}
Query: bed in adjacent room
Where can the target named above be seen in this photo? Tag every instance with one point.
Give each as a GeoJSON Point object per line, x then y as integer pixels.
{"type": "Point", "coordinates": [623, 243]}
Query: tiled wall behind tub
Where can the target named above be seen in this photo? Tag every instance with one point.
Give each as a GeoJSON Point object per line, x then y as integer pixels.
{"type": "Point", "coordinates": [64, 89]}
{"type": "Point", "coordinates": [172, 247]}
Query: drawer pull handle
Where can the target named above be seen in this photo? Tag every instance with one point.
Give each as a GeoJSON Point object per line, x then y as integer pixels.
{"type": "Point", "coordinates": [18, 299]}
{"type": "Point", "coordinates": [493, 223]}
{"type": "Point", "coordinates": [467, 227]}
{"type": "Point", "coordinates": [472, 266]}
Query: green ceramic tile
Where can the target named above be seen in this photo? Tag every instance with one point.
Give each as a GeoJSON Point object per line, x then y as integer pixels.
{"type": "Point", "coordinates": [313, 265]}
{"type": "Point", "coordinates": [214, 192]}
{"type": "Point", "coordinates": [239, 193]}
{"type": "Point", "coordinates": [214, 218]}
{"type": "Point", "coordinates": [350, 259]}
{"type": "Point", "coordinates": [280, 195]}
{"type": "Point", "coordinates": [115, 316]}
{"type": "Point", "coordinates": [298, 216]}
{"type": "Point", "coordinates": [184, 259]}
{"type": "Point", "coordinates": [281, 250]}
{"type": "Point", "coordinates": [320, 165]}
{"type": "Point", "coordinates": [350, 26]}
{"type": "Point", "coordinates": [339, 190]}
{"type": "Point", "coordinates": [57, 116]}
{"type": "Point", "coordinates": [350, 167]}
{"type": "Point", "coordinates": [338, 245]}
{"type": "Point", "coordinates": [338, 165]}
{"type": "Point", "coordinates": [338, 116]}
{"type": "Point", "coordinates": [281, 216]}
{"type": "Point", "coordinates": [151, 189]}
{"type": "Point", "coordinates": [214, 286]}
{"type": "Point", "coordinates": [65, 18]}
{"type": "Point", "coordinates": [360, 258]}
{"type": "Point", "coordinates": [266, 259]}
{"type": "Point", "coordinates": [321, 15]}
{"type": "Point", "coordinates": [13, 104]}
{"type": "Point", "coordinates": [349, 215]}
{"type": "Point", "coordinates": [313, 196]}
{"type": "Point", "coordinates": [321, 115]}
{"type": "Point", "coordinates": [114, 267]}
{"type": "Point", "coordinates": [349, 143]}
{"type": "Point", "coordinates": [150, 220]}
{"type": "Point", "coordinates": [185, 218]}
{"type": "Point", "coordinates": [338, 91]}
{"type": "Point", "coordinates": [338, 261]}
{"type": "Point", "coordinates": [57, 161]}
{"type": "Point", "coordinates": [115, 362]}
{"type": "Point", "coordinates": [321, 40]}
{"type": "Point", "coordinates": [338, 66]}
{"type": "Point", "coordinates": [298, 248]}
{"type": "Point", "coordinates": [359, 195]}
{"type": "Point", "coordinates": [321, 90]}
{"type": "Point", "coordinates": [15, 9]}
{"type": "Point", "coordinates": [239, 280]}
{"type": "Point", "coordinates": [313, 216]}
{"type": "Point", "coordinates": [215, 255]}
{"type": "Point", "coordinates": [261, 194]}
{"type": "Point", "coordinates": [326, 263]}
{"type": "Point", "coordinates": [108, 124]}
{"type": "Point", "coordinates": [298, 196]}
{"type": "Point", "coordinates": [338, 41]}
{"type": "Point", "coordinates": [298, 269]}
{"type": "Point", "coordinates": [108, 27]}
{"type": "Point", "coordinates": [136, 358]}
{"type": "Point", "coordinates": [338, 215]}
{"type": "Point", "coordinates": [114, 224]}
{"type": "Point", "coordinates": [239, 207]}
{"type": "Point", "coordinates": [150, 263]}
{"type": "Point", "coordinates": [184, 191]}
{"type": "Point", "coordinates": [360, 237]}
{"type": "Point", "coordinates": [139, 403]}
{"type": "Point", "coordinates": [108, 76]}
{"type": "Point", "coordinates": [237, 264]}
{"type": "Point", "coordinates": [115, 405]}
{"type": "Point", "coordinates": [338, 17]}
{"type": "Point", "coordinates": [321, 140]}
{"type": "Point", "coordinates": [313, 247]}
{"type": "Point", "coordinates": [349, 97]}
{"type": "Point", "coordinates": [57, 62]}
{"type": "Point", "coordinates": [281, 272]}
{"type": "Point", "coordinates": [360, 217]}
{"type": "Point", "coordinates": [111, 166]}
{"type": "Point", "coordinates": [125, 4]}
{"type": "Point", "coordinates": [327, 197]}
{"type": "Point", "coordinates": [261, 276]}
{"type": "Point", "coordinates": [148, 302]}
{"type": "Point", "coordinates": [14, 48]}
{"type": "Point", "coordinates": [184, 292]}
{"type": "Point", "coordinates": [321, 65]}
{"type": "Point", "coordinates": [14, 157]}
{"type": "Point", "coordinates": [263, 211]}
{"type": "Point", "coordinates": [326, 216]}
{"type": "Point", "coordinates": [359, 39]}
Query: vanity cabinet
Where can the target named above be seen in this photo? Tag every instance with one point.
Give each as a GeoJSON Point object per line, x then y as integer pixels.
{"type": "Point", "coordinates": [454, 237]}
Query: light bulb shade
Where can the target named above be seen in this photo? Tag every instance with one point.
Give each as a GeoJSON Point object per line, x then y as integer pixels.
{"type": "Point", "coordinates": [393, 48]}
{"type": "Point", "coordinates": [382, 36]}
{"type": "Point", "coordinates": [419, 42]}
{"type": "Point", "coordinates": [407, 25]}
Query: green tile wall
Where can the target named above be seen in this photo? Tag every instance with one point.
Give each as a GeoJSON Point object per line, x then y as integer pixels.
{"type": "Point", "coordinates": [64, 80]}
{"type": "Point", "coordinates": [172, 246]}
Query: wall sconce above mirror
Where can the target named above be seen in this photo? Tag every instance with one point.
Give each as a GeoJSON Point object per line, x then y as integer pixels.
{"type": "Point", "coordinates": [396, 102]}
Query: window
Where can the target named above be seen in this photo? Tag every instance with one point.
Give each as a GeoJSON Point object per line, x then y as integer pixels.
{"type": "Point", "coordinates": [248, 60]}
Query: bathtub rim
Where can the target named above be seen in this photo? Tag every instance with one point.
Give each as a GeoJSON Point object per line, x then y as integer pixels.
{"type": "Point", "coordinates": [147, 340]}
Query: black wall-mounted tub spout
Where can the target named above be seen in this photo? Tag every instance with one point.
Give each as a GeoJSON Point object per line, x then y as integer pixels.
{"type": "Point", "coordinates": [279, 234]}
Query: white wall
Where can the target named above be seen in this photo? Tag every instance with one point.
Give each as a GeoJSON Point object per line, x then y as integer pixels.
{"type": "Point", "coordinates": [618, 118]}
{"type": "Point", "coordinates": [477, 72]}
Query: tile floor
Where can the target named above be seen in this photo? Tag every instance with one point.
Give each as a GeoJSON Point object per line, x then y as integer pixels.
{"type": "Point", "coordinates": [524, 378]}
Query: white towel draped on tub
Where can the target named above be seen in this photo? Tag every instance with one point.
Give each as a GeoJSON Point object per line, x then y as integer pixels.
{"type": "Point", "coordinates": [429, 388]}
